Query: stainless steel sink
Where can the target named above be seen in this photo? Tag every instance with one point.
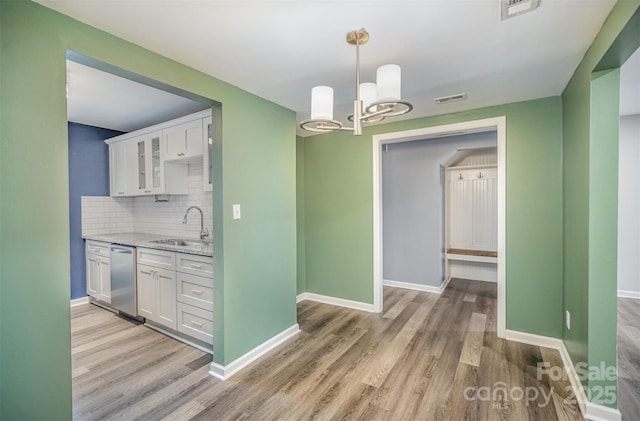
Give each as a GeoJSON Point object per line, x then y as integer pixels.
{"type": "Point", "coordinates": [181, 243]}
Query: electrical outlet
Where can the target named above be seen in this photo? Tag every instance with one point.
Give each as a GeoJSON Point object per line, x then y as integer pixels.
{"type": "Point", "coordinates": [236, 211]}
{"type": "Point", "coordinates": [568, 319]}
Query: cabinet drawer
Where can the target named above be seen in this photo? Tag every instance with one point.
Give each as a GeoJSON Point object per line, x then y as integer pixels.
{"type": "Point", "coordinates": [195, 322]}
{"type": "Point", "coordinates": [194, 264]}
{"type": "Point", "coordinates": [98, 248]}
{"type": "Point", "coordinates": [157, 258]}
{"type": "Point", "coordinates": [195, 290]}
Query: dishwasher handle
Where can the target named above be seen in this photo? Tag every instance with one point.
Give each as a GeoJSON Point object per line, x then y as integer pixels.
{"type": "Point", "coordinates": [121, 250]}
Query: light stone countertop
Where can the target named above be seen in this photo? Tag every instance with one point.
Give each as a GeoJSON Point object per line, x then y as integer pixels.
{"type": "Point", "coordinates": [144, 240]}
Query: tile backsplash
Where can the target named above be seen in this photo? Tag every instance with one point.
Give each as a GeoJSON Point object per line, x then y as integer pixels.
{"type": "Point", "coordinates": [109, 215]}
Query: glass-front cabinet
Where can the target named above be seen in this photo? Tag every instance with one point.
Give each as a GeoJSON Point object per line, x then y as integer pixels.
{"type": "Point", "coordinates": [149, 173]}
{"type": "Point", "coordinates": [207, 172]}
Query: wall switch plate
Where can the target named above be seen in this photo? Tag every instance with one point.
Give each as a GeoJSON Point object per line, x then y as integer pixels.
{"type": "Point", "coordinates": [568, 319]}
{"type": "Point", "coordinates": [236, 211]}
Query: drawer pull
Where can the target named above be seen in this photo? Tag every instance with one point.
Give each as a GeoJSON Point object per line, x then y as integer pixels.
{"type": "Point", "coordinates": [95, 250]}
{"type": "Point", "coordinates": [180, 154]}
{"type": "Point", "coordinates": [195, 266]}
{"type": "Point", "coordinates": [195, 323]}
{"type": "Point", "coordinates": [197, 291]}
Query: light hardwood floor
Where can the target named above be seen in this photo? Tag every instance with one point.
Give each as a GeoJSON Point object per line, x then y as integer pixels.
{"type": "Point", "coordinates": [629, 358]}
{"type": "Point", "coordinates": [415, 361]}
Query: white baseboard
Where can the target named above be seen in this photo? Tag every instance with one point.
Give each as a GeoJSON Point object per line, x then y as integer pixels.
{"type": "Point", "coordinates": [224, 372]}
{"type": "Point", "coordinates": [79, 301]}
{"type": "Point", "coordinates": [576, 384]}
{"type": "Point", "coordinates": [597, 412]}
{"type": "Point", "coordinates": [591, 411]}
{"type": "Point", "coordinates": [531, 339]}
{"type": "Point", "coordinates": [628, 294]}
{"type": "Point", "coordinates": [340, 302]}
{"type": "Point", "coordinates": [415, 287]}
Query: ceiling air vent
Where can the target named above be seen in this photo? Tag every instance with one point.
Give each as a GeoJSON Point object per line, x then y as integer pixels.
{"type": "Point", "coordinates": [511, 8]}
{"type": "Point", "coordinates": [450, 98]}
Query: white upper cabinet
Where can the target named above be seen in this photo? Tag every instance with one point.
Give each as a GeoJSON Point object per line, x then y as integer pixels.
{"type": "Point", "coordinates": [122, 164]}
{"type": "Point", "coordinates": [155, 160]}
{"type": "Point", "coordinates": [207, 149]}
{"type": "Point", "coordinates": [183, 141]}
{"type": "Point", "coordinates": [149, 173]}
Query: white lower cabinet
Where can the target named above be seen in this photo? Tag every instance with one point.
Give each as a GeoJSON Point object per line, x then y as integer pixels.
{"type": "Point", "coordinates": [157, 295]}
{"type": "Point", "coordinates": [98, 275]}
{"type": "Point", "coordinates": [195, 296]}
{"type": "Point", "coordinates": [157, 286]}
{"type": "Point", "coordinates": [175, 290]}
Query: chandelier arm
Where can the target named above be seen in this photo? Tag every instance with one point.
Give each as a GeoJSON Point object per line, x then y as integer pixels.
{"type": "Point", "coordinates": [381, 113]}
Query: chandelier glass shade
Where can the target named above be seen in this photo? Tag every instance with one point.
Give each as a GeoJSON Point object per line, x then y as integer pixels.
{"type": "Point", "coordinates": [374, 101]}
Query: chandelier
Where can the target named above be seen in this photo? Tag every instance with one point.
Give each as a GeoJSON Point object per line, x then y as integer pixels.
{"type": "Point", "coordinates": [374, 101]}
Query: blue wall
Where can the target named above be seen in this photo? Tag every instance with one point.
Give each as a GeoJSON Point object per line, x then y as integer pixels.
{"type": "Point", "coordinates": [88, 176]}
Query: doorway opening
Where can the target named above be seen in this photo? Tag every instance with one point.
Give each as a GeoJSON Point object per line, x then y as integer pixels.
{"type": "Point", "coordinates": [628, 342]}
{"type": "Point", "coordinates": [496, 125]}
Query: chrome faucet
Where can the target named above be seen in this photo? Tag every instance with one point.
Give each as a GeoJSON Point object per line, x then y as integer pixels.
{"type": "Point", "coordinates": [204, 232]}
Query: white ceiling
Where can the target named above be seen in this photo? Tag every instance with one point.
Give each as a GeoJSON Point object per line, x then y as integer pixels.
{"type": "Point", "coordinates": [279, 50]}
{"type": "Point", "coordinates": [101, 99]}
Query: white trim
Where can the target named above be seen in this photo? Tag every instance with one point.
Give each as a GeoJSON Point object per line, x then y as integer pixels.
{"type": "Point", "coordinates": [497, 123]}
{"type": "Point", "coordinates": [628, 294]}
{"type": "Point", "coordinates": [557, 344]}
{"type": "Point", "coordinates": [415, 287]}
{"type": "Point", "coordinates": [531, 339]}
{"type": "Point", "coordinates": [224, 372]}
{"type": "Point", "coordinates": [596, 412]}
{"type": "Point", "coordinates": [79, 301]}
{"type": "Point", "coordinates": [591, 411]}
{"type": "Point", "coordinates": [576, 384]}
{"type": "Point", "coordinates": [340, 302]}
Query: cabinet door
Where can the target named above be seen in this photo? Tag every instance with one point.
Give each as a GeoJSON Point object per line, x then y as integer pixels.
{"type": "Point", "coordinates": [105, 280]}
{"type": "Point", "coordinates": [183, 140]}
{"type": "Point", "coordinates": [146, 285]}
{"type": "Point", "coordinates": [122, 164]}
{"type": "Point", "coordinates": [155, 179]}
{"type": "Point", "coordinates": [117, 169]}
{"type": "Point", "coordinates": [166, 298]}
{"type": "Point", "coordinates": [93, 275]}
{"type": "Point", "coordinates": [149, 177]}
{"type": "Point", "coordinates": [207, 149]}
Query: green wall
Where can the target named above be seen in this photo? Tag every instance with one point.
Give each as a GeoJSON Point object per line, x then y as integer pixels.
{"type": "Point", "coordinates": [590, 168]}
{"type": "Point", "coordinates": [339, 203]}
{"type": "Point", "coordinates": [302, 281]}
{"type": "Point", "coordinates": [255, 257]}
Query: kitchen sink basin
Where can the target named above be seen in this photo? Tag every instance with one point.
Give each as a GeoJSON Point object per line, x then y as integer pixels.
{"type": "Point", "coordinates": [180, 243]}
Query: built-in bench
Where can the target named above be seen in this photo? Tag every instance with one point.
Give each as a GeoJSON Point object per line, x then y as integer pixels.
{"type": "Point", "coordinates": [482, 256]}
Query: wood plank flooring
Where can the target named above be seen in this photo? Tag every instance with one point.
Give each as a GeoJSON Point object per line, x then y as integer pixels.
{"type": "Point", "coordinates": [425, 357]}
{"type": "Point", "coordinates": [629, 358]}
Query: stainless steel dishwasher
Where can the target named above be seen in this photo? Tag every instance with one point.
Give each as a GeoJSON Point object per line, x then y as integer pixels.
{"type": "Point", "coordinates": [123, 280]}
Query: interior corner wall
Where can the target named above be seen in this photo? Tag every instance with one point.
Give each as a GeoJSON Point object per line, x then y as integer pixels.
{"type": "Point", "coordinates": [255, 166]}
{"type": "Point", "coordinates": [413, 205]}
{"type": "Point", "coordinates": [339, 211]}
{"type": "Point", "coordinates": [301, 284]}
{"type": "Point", "coordinates": [88, 176]}
{"type": "Point", "coordinates": [629, 207]}
{"type": "Point", "coordinates": [586, 275]}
